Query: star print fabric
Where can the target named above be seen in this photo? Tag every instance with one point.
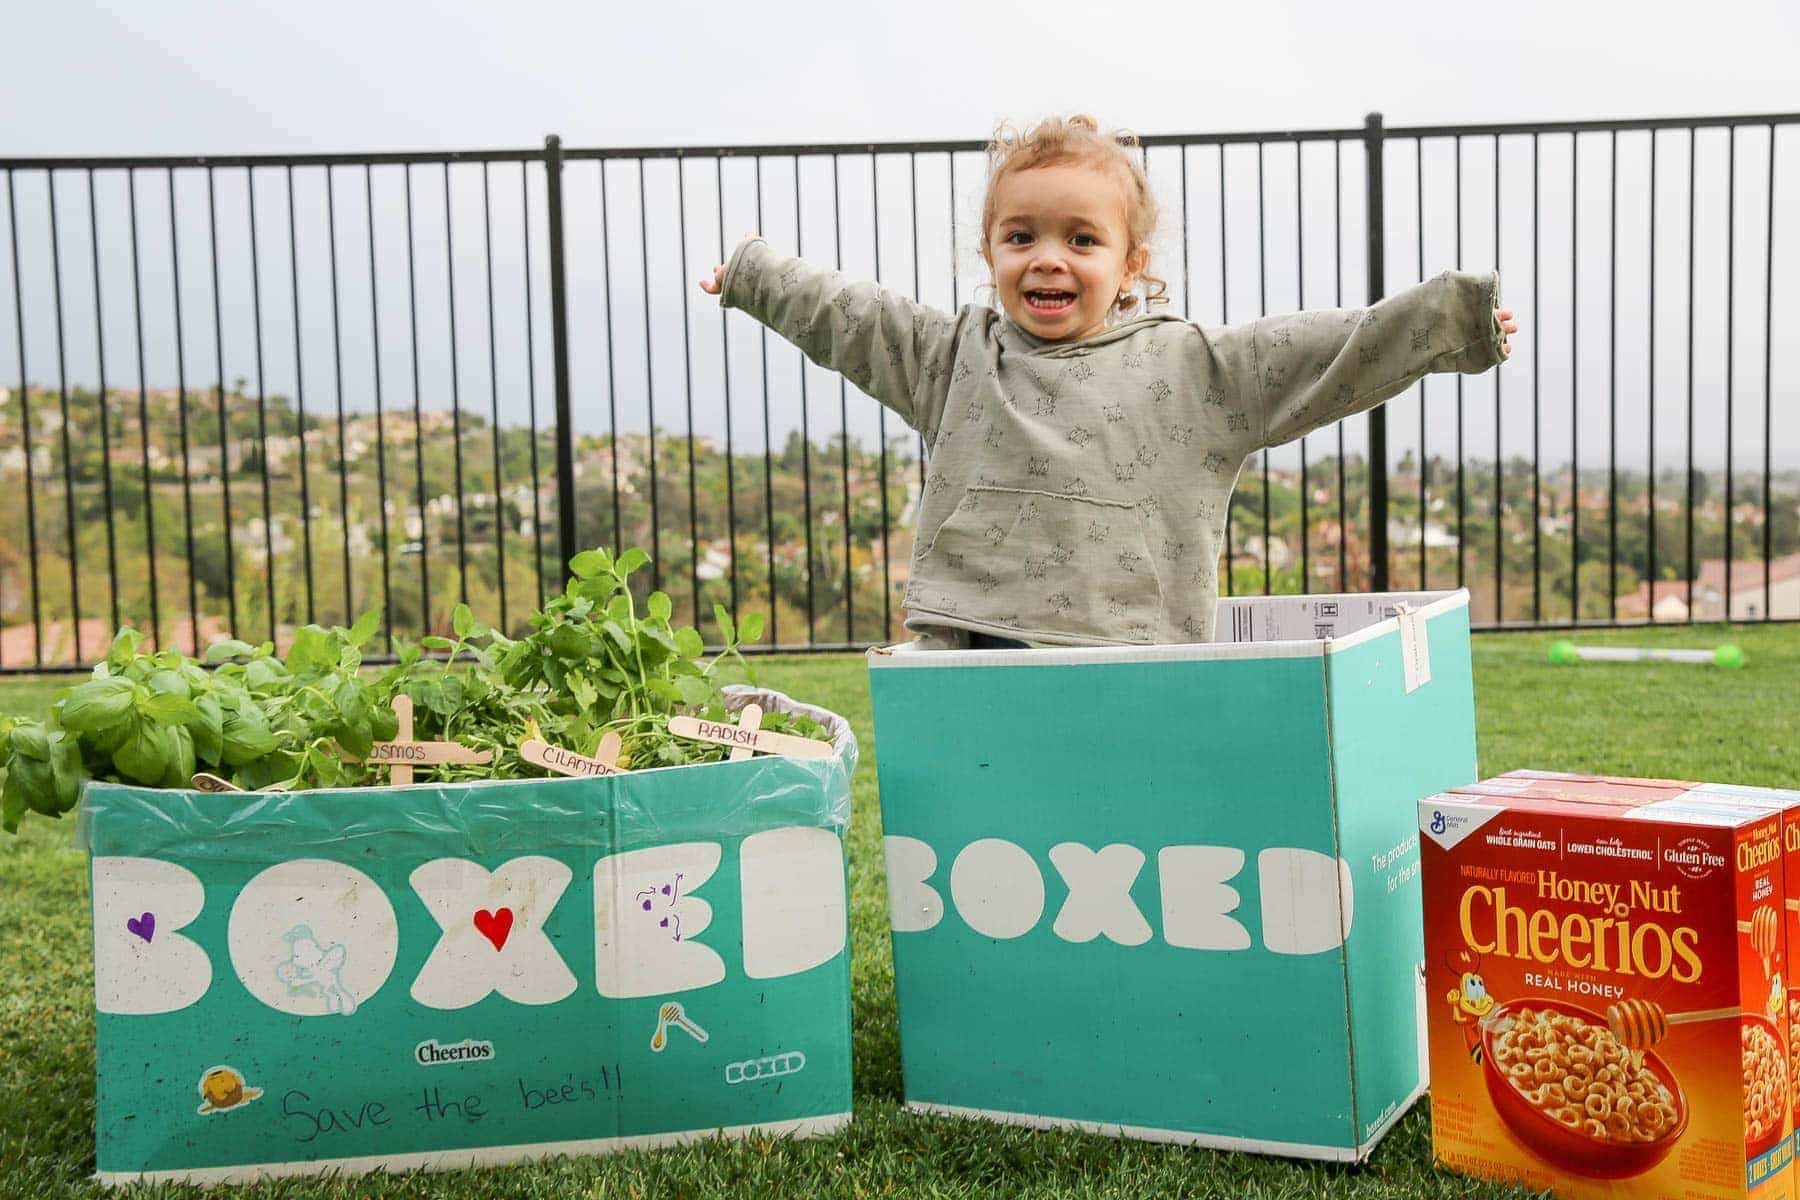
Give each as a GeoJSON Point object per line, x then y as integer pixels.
{"type": "Point", "coordinates": [1077, 491]}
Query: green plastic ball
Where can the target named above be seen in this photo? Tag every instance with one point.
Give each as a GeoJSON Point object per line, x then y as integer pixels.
{"type": "Point", "coordinates": [1563, 653]}
{"type": "Point", "coordinates": [1728, 656]}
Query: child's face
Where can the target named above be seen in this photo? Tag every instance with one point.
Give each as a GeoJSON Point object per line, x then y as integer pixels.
{"type": "Point", "coordinates": [1058, 249]}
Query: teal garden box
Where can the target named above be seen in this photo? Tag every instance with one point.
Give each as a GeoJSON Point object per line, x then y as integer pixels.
{"type": "Point", "coordinates": [439, 976]}
{"type": "Point", "coordinates": [1172, 892]}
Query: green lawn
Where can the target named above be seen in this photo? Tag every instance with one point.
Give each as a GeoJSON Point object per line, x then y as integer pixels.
{"type": "Point", "coordinates": [1660, 720]}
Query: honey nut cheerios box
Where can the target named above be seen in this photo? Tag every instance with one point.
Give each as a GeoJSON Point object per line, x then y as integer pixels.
{"type": "Point", "coordinates": [1613, 790]}
{"type": "Point", "coordinates": [1606, 1011]}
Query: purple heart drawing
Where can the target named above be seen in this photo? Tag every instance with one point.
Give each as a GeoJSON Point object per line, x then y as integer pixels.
{"type": "Point", "coordinates": [144, 926]}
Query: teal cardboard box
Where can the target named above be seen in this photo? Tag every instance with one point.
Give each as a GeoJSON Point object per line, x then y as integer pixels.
{"type": "Point", "coordinates": [439, 976]}
{"type": "Point", "coordinates": [1172, 892]}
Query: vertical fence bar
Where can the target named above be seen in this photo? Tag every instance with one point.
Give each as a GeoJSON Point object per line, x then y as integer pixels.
{"type": "Point", "coordinates": [1461, 497]}
{"type": "Point", "coordinates": [1337, 252]}
{"type": "Point", "coordinates": [837, 234]}
{"type": "Point", "coordinates": [912, 159]}
{"type": "Point", "coordinates": [37, 614]}
{"type": "Point", "coordinates": [1574, 379]}
{"type": "Point", "coordinates": [725, 378]}
{"type": "Point", "coordinates": [337, 369]}
{"type": "Point", "coordinates": [462, 533]}
{"type": "Point", "coordinates": [805, 433]}
{"type": "Point", "coordinates": [412, 308]}
{"type": "Point", "coordinates": [1612, 386]}
{"type": "Point", "coordinates": [553, 158]}
{"type": "Point", "coordinates": [487, 234]}
{"type": "Point", "coordinates": [262, 408]}
{"type": "Point", "coordinates": [1499, 445]}
{"type": "Point", "coordinates": [1419, 264]}
{"type": "Point", "coordinates": [559, 355]}
{"type": "Point", "coordinates": [687, 353]}
{"type": "Point", "coordinates": [1730, 346]}
{"type": "Point", "coordinates": [1377, 242]}
{"type": "Point", "coordinates": [1650, 395]}
{"type": "Point", "coordinates": [112, 547]}
{"type": "Point", "coordinates": [212, 229]}
{"type": "Point", "coordinates": [1768, 394]}
{"type": "Point", "coordinates": [137, 314]}
{"type": "Point", "coordinates": [649, 385]}
{"type": "Point", "coordinates": [768, 441]}
{"type": "Point", "coordinates": [887, 615]}
{"type": "Point", "coordinates": [62, 383]}
{"type": "Point", "coordinates": [1262, 305]}
{"type": "Point", "coordinates": [1537, 466]}
{"type": "Point", "coordinates": [300, 392]}
{"type": "Point", "coordinates": [1688, 482]}
{"type": "Point", "coordinates": [181, 398]}
{"type": "Point", "coordinates": [1300, 300]}
{"type": "Point", "coordinates": [537, 479]}
{"type": "Point", "coordinates": [387, 581]}
{"type": "Point", "coordinates": [1225, 319]}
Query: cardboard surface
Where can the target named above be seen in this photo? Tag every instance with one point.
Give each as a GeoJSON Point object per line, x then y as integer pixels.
{"type": "Point", "coordinates": [442, 975]}
{"type": "Point", "coordinates": [1207, 933]}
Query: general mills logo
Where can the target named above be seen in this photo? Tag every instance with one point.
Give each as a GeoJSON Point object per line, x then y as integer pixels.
{"type": "Point", "coordinates": [1438, 823]}
{"type": "Point", "coordinates": [771, 1067]}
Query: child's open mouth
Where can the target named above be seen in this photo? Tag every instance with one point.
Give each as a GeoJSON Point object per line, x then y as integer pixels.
{"type": "Point", "coordinates": [1049, 303]}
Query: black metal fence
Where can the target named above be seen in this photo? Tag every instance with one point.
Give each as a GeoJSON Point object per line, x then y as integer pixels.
{"type": "Point", "coordinates": [256, 391]}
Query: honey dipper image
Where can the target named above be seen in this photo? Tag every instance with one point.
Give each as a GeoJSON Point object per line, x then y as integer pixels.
{"type": "Point", "coordinates": [1641, 1024]}
{"type": "Point", "coordinates": [222, 1088]}
{"type": "Point", "coordinates": [1764, 930]}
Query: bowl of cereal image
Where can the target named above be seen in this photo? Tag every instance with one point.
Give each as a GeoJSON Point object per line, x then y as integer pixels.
{"type": "Point", "coordinates": [1566, 1088]}
{"type": "Point", "coordinates": [1766, 1097]}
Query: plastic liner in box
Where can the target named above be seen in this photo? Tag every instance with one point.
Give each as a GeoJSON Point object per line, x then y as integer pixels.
{"type": "Point", "coordinates": [486, 817]}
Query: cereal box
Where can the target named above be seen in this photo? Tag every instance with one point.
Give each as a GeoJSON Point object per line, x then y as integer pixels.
{"type": "Point", "coordinates": [1604, 965]}
{"type": "Point", "coordinates": [1607, 789]}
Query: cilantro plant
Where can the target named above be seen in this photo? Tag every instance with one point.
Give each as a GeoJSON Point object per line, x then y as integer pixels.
{"type": "Point", "coordinates": [593, 663]}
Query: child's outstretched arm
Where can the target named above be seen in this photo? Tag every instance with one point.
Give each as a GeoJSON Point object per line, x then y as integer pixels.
{"type": "Point", "coordinates": [1305, 370]}
{"type": "Point", "coordinates": [898, 351]}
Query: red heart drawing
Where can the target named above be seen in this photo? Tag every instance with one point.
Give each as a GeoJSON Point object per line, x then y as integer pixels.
{"type": "Point", "coordinates": [494, 926]}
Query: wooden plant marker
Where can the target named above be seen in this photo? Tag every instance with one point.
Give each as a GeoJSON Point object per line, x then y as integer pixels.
{"type": "Point", "coordinates": [402, 754]}
{"type": "Point", "coordinates": [566, 762]}
{"type": "Point", "coordinates": [205, 781]}
{"type": "Point", "coordinates": [748, 736]}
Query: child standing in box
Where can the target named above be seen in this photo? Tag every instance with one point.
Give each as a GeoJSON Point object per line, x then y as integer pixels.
{"type": "Point", "coordinates": [1083, 450]}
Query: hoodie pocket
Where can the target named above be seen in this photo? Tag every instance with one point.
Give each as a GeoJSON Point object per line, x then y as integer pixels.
{"type": "Point", "coordinates": [1049, 562]}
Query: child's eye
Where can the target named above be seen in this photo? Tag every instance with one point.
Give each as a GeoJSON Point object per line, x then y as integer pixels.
{"type": "Point", "coordinates": [1018, 237]}
{"type": "Point", "coordinates": [1084, 240]}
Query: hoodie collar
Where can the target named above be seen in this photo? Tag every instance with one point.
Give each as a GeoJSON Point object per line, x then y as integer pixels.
{"type": "Point", "coordinates": [1030, 343]}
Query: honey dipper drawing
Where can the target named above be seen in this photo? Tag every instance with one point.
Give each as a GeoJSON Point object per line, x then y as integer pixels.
{"type": "Point", "coordinates": [1641, 1024]}
{"type": "Point", "coordinates": [1764, 929]}
{"type": "Point", "coordinates": [669, 1014]}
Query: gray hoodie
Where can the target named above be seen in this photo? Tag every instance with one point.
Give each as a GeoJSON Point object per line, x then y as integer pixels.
{"type": "Point", "coordinates": [1076, 491]}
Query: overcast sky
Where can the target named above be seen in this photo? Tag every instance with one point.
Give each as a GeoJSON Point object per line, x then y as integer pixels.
{"type": "Point", "coordinates": [189, 78]}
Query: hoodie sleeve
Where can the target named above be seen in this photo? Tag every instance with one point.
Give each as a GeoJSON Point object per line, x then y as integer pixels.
{"type": "Point", "coordinates": [1306, 370]}
{"type": "Point", "coordinates": [898, 351]}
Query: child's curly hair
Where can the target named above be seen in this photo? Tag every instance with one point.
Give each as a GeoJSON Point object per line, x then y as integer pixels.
{"type": "Point", "coordinates": [1081, 139]}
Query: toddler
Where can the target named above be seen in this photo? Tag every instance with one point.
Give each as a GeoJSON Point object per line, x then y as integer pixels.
{"type": "Point", "coordinates": [1082, 449]}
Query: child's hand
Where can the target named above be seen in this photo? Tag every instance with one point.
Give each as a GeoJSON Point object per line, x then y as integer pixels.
{"type": "Point", "coordinates": [716, 284]}
{"type": "Point", "coordinates": [1508, 326]}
